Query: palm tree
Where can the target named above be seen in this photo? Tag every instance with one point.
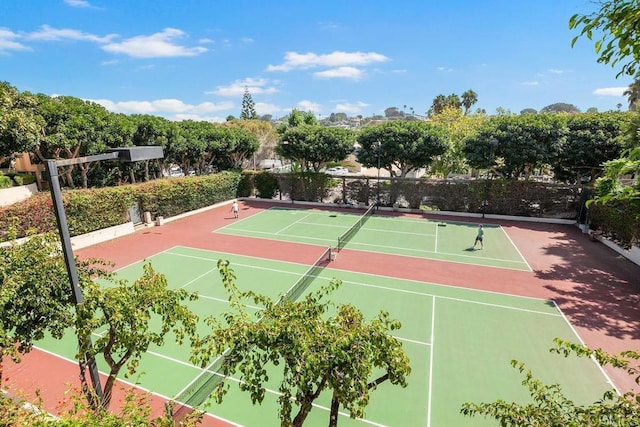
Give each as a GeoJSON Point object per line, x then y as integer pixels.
{"type": "Point", "coordinates": [633, 94]}
{"type": "Point", "coordinates": [468, 99]}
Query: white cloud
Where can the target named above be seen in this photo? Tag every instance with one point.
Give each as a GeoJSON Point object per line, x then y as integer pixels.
{"type": "Point", "coordinates": [157, 45]}
{"type": "Point", "coordinates": [350, 108]}
{"type": "Point", "coordinates": [77, 3]}
{"type": "Point", "coordinates": [266, 108]}
{"type": "Point", "coordinates": [557, 71]}
{"type": "Point", "coordinates": [236, 89]}
{"type": "Point", "coordinates": [164, 107]}
{"type": "Point", "coordinates": [110, 62]}
{"type": "Point", "coordinates": [306, 105]}
{"type": "Point", "coordinates": [294, 60]}
{"type": "Point", "coordinates": [7, 41]}
{"type": "Point", "coordinates": [340, 73]}
{"type": "Point", "coordinates": [610, 91]}
{"type": "Point", "coordinates": [47, 33]}
{"type": "Point", "coordinates": [531, 83]}
{"type": "Point", "coordinates": [247, 40]}
{"type": "Point", "coordinates": [206, 41]}
{"type": "Point", "coordinates": [444, 69]}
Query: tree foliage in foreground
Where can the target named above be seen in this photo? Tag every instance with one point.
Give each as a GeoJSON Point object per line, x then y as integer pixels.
{"type": "Point", "coordinates": [320, 348]}
{"type": "Point", "coordinates": [134, 315]}
{"type": "Point", "coordinates": [34, 295]}
{"type": "Point", "coordinates": [551, 408]}
{"type": "Point", "coordinates": [615, 25]}
{"type": "Point", "coordinates": [73, 411]}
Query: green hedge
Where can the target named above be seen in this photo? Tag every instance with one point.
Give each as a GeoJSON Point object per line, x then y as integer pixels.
{"type": "Point", "coordinates": [93, 209]}
{"type": "Point", "coordinates": [617, 220]}
{"type": "Point", "coordinates": [170, 197]}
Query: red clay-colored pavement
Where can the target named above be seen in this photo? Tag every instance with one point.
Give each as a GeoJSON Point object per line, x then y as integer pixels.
{"type": "Point", "coordinates": [597, 289]}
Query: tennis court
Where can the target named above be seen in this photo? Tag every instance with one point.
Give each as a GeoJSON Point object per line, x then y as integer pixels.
{"type": "Point", "coordinates": [422, 238]}
{"type": "Point", "coordinates": [455, 337]}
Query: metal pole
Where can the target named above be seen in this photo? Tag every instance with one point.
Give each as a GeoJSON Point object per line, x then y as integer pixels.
{"type": "Point", "coordinates": [72, 271]}
{"type": "Point", "coordinates": [378, 184]}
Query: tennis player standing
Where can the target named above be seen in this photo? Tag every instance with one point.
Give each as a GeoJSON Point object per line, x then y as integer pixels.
{"type": "Point", "coordinates": [234, 208]}
{"type": "Point", "coordinates": [479, 237]}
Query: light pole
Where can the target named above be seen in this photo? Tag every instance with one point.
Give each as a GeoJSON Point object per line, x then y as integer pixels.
{"type": "Point", "coordinates": [378, 144]}
{"type": "Point", "coordinates": [128, 154]}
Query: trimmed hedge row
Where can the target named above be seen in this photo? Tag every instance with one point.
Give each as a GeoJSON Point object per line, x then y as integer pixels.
{"type": "Point", "coordinates": [93, 209]}
{"type": "Point", "coordinates": [617, 220]}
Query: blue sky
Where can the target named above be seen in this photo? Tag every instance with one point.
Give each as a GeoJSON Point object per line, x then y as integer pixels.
{"type": "Point", "coordinates": [192, 59]}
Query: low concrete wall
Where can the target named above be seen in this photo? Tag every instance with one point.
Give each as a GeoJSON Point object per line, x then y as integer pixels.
{"type": "Point", "coordinates": [632, 255]}
{"type": "Point", "coordinates": [99, 236]}
{"type": "Point", "coordinates": [9, 196]}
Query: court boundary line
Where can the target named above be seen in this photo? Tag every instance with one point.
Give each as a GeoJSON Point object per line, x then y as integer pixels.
{"type": "Point", "coordinates": [357, 272]}
{"type": "Point", "coordinates": [430, 387]}
{"type": "Point", "coordinates": [516, 248]}
{"type": "Point", "coordinates": [388, 288]}
{"type": "Point", "coordinates": [593, 359]}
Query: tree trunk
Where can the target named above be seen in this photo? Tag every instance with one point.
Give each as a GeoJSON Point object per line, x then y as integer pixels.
{"type": "Point", "coordinates": [333, 415]}
{"type": "Point", "coordinates": [132, 176]}
{"type": "Point", "coordinates": [305, 408]}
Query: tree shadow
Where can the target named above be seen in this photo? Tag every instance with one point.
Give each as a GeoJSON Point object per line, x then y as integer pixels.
{"type": "Point", "coordinates": [594, 286]}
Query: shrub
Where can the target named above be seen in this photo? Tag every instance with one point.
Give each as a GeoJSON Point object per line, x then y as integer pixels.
{"type": "Point", "coordinates": [246, 187]}
{"type": "Point", "coordinates": [5, 182]}
{"type": "Point", "coordinates": [266, 184]}
{"type": "Point", "coordinates": [24, 179]}
{"type": "Point", "coordinates": [94, 209]}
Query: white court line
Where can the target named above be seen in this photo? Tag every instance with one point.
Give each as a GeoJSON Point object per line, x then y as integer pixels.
{"type": "Point", "coordinates": [298, 238]}
{"type": "Point", "coordinates": [593, 359]}
{"type": "Point", "coordinates": [359, 273]}
{"type": "Point", "coordinates": [435, 246]}
{"type": "Point", "coordinates": [137, 386]}
{"type": "Point", "coordinates": [292, 224]}
{"type": "Point", "coordinates": [433, 323]}
{"type": "Point", "coordinates": [516, 248]}
{"type": "Point", "coordinates": [442, 253]}
{"type": "Point", "coordinates": [526, 310]}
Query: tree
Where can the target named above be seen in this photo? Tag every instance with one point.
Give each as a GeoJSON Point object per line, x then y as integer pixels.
{"type": "Point", "coordinates": [34, 294]}
{"type": "Point", "coordinates": [319, 348]}
{"type": "Point", "coordinates": [633, 94]}
{"type": "Point", "coordinates": [401, 146]}
{"type": "Point", "coordinates": [440, 102]}
{"type": "Point", "coordinates": [514, 146]}
{"type": "Point", "coordinates": [469, 98]}
{"type": "Point", "coordinates": [459, 127]}
{"type": "Point", "coordinates": [312, 146]}
{"type": "Point", "coordinates": [592, 110]}
{"type": "Point", "coordinates": [550, 407]}
{"type": "Point", "coordinates": [392, 112]}
{"type": "Point", "coordinates": [528, 111]}
{"type": "Point", "coordinates": [134, 316]}
{"type": "Point", "coordinates": [248, 106]}
{"type": "Point", "coordinates": [591, 140]}
{"type": "Point", "coordinates": [19, 125]}
{"type": "Point", "coordinates": [618, 34]}
{"type": "Point", "coordinates": [560, 107]}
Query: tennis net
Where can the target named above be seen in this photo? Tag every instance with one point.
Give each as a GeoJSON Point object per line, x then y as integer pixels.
{"type": "Point", "coordinates": [199, 390]}
{"type": "Point", "coordinates": [305, 280]}
{"type": "Point", "coordinates": [344, 238]}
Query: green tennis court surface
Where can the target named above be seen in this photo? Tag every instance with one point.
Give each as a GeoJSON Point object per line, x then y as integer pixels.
{"type": "Point", "coordinates": [447, 241]}
{"type": "Point", "coordinates": [460, 342]}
